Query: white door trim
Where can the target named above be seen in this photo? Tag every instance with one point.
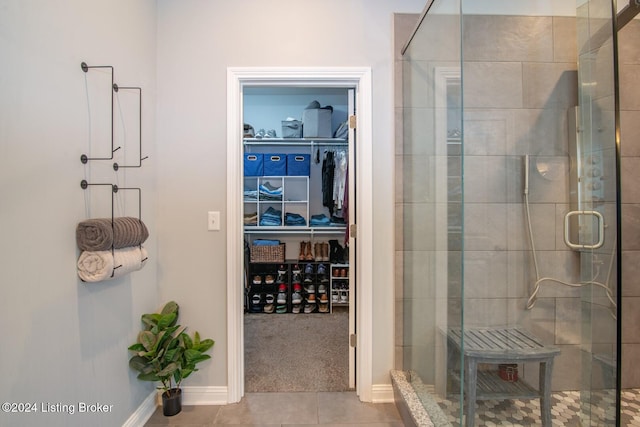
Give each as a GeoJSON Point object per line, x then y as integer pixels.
{"type": "Point", "coordinates": [359, 77]}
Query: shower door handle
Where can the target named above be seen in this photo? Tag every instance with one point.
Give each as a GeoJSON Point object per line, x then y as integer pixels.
{"type": "Point", "coordinates": [567, 230]}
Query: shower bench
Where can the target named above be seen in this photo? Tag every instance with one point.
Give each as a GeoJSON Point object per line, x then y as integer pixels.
{"type": "Point", "coordinates": [506, 345]}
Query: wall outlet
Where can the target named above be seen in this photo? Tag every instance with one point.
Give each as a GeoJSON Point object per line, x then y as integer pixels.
{"type": "Point", "coordinates": [213, 222]}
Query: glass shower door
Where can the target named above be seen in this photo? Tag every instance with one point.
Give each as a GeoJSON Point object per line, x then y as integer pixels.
{"type": "Point", "coordinates": [592, 228]}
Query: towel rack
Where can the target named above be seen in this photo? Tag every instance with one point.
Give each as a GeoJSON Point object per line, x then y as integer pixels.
{"type": "Point", "coordinates": [116, 88]}
{"type": "Point", "coordinates": [84, 158]}
{"type": "Point", "coordinates": [114, 189]}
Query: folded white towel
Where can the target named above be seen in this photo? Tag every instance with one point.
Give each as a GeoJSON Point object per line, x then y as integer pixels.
{"type": "Point", "coordinates": [96, 266]}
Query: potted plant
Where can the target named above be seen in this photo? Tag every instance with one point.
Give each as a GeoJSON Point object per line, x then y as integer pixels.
{"type": "Point", "coordinates": [165, 352]}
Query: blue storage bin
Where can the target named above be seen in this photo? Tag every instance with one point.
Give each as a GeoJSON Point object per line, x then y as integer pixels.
{"type": "Point", "coordinates": [298, 164]}
{"type": "Point", "coordinates": [253, 164]}
{"type": "Point", "coordinates": [275, 164]}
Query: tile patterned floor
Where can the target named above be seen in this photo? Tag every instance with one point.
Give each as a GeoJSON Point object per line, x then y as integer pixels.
{"type": "Point", "coordinates": [286, 409]}
{"type": "Point", "coordinates": [564, 412]}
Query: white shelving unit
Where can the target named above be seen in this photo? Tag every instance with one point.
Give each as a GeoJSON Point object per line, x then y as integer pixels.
{"type": "Point", "coordinates": [296, 189]}
{"type": "Point", "coordinates": [294, 198]}
{"type": "Point", "coordinates": [339, 285]}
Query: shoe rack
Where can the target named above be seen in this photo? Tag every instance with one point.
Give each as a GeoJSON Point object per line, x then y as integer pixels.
{"type": "Point", "coordinates": [299, 287]}
{"type": "Point", "coordinates": [339, 284]}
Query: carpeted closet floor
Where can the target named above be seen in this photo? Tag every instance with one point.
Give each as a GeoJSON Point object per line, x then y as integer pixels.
{"type": "Point", "coordinates": [296, 352]}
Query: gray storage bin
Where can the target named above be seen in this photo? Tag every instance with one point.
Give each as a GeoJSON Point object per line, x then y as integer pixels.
{"type": "Point", "coordinates": [316, 123]}
{"type": "Point", "coordinates": [291, 129]}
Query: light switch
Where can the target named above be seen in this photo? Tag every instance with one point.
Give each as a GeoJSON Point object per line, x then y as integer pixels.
{"type": "Point", "coordinates": [213, 223]}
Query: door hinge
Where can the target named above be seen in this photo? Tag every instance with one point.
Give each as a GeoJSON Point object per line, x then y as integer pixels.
{"type": "Point", "coordinates": [352, 340]}
{"type": "Point", "coordinates": [353, 231]}
{"type": "Point", "coordinates": [352, 121]}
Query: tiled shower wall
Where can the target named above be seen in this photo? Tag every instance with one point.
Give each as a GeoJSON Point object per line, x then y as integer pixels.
{"type": "Point", "coordinates": [521, 80]}
{"type": "Point", "coordinates": [629, 72]}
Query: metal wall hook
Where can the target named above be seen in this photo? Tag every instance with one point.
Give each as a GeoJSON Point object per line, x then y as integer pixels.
{"type": "Point", "coordinates": [116, 166]}
{"type": "Point", "coordinates": [84, 158]}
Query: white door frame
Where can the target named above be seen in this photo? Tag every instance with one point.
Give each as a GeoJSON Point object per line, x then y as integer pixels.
{"type": "Point", "coordinates": [360, 78]}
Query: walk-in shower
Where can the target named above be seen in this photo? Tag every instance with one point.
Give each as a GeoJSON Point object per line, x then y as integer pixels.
{"type": "Point", "coordinates": [509, 250]}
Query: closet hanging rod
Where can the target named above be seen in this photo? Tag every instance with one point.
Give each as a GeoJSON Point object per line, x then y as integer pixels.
{"type": "Point", "coordinates": [116, 88]}
{"type": "Point", "coordinates": [84, 158]}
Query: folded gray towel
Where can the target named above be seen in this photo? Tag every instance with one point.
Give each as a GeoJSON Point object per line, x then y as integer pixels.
{"type": "Point", "coordinates": [97, 234]}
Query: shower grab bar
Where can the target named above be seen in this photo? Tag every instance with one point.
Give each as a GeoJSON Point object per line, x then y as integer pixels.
{"type": "Point", "coordinates": [578, 246]}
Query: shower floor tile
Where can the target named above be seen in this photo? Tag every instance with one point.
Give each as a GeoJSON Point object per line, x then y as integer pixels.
{"type": "Point", "coordinates": [565, 410]}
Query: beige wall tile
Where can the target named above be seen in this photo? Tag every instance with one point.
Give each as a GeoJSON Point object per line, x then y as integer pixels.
{"type": "Point", "coordinates": [507, 38]}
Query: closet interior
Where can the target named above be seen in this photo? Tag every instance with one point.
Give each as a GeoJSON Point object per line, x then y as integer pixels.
{"type": "Point", "coordinates": [296, 208]}
{"type": "Point", "coordinates": [296, 151]}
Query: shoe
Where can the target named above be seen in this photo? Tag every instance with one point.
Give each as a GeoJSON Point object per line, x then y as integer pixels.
{"type": "Point", "coordinates": [322, 269]}
{"type": "Point", "coordinates": [268, 279]}
{"type": "Point", "coordinates": [296, 309]}
{"type": "Point", "coordinates": [281, 278]}
{"type": "Point", "coordinates": [325, 252]}
{"type": "Point", "coordinates": [324, 299]}
{"type": "Point", "coordinates": [322, 289]}
{"type": "Point", "coordinates": [343, 272]}
{"type": "Point", "coordinates": [282, 298]}
{"type": "Point", "coordinates": [307, 253]}
{"type": "Point", "coordinates": [248, 131]}
{"type": "Point", "coordinates": [297, 287]}
{"type": "Point", "coordinates": [336, 272]}
{"type": "Point", "coordinates": [282, 287]}
{"type": "Point", "coordinates": [335, 297]}
{"type": "Point", "coordinates": [268, 308]}
{"type": "Point", "coordinates": [257, 280]}
{"type": "Point", "coordinates": [256, 299]}
{"type": "Point", "coordinates": [311, 298]}
{"type": "Point", "coordinates": [307, 278]}
{"type": "Point", "coordinates": [282, 270]}
{"type": "Point", "coordinates": [281, 309]}
{"type": "Point", "coordinates": [269, 298]}
{"type": "Point", "coordinates": [344, 297]}
{"type": "Point", "coordinates": [323, 308]}
{"type": "Point", "coordinates": [308, 269]}
{"type": "Point", "coordinates": [303, 246]}
{"type": "Point", "coordinates": [296, 298]}
{"type": "Point", "coordinates": [311, 289]}
{"type": "Point", "coordinates": [261, 133]}
{"type": "Point", "coordinates": [296, 278]}
{"type": "Point", "coordinates": [296, 268]}
{"type": "Point", "coordinates": [309, 308]}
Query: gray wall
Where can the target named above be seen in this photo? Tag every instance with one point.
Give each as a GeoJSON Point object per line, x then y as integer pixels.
{"type": "Point", "coordinates": [66, 341]}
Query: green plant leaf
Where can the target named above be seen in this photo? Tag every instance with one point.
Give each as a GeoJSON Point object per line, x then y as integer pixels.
{"type": "Point", "coordinates": [204, 345]}
{"type": "Point", "coordinates": [170, 307]}
{"type": "Point", "coordinates": [168, 370]}
{"type": "Point", "coordinates": [138, 363]}
{"type": "Point", "coordinates": [167, 320]}
{"type": "Point", "coordinates": [136, 347]}
{"type": "Point", "coordinates": [148, 377]}
{"type": "Point", "coordinates": [188, 342]}
{"type": "Point", "coordinates": [147, 339]}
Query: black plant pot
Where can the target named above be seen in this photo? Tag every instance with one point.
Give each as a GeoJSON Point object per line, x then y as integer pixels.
{"type": "Point", "coordinates": [172, 402]}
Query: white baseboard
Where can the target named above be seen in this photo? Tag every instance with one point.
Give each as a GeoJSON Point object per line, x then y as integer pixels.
{"type": "Point", "coordinates": [382, 393]}
{"type": "Point", "coordinates": [190, 396]}
{"type": "Point", "coordinates": [214, 395]}
{"type": "Point", "coordinates": [143, 413]}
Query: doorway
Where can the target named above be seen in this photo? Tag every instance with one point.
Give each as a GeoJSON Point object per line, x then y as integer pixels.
{"type": "Point", "coordinates": [360, 224]}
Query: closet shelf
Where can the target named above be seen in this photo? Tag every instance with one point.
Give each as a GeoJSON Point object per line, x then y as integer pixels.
{"type": "Point", "coordinates": [251, 229]}
{"type": "Point", "coordinates": [296, 141]}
